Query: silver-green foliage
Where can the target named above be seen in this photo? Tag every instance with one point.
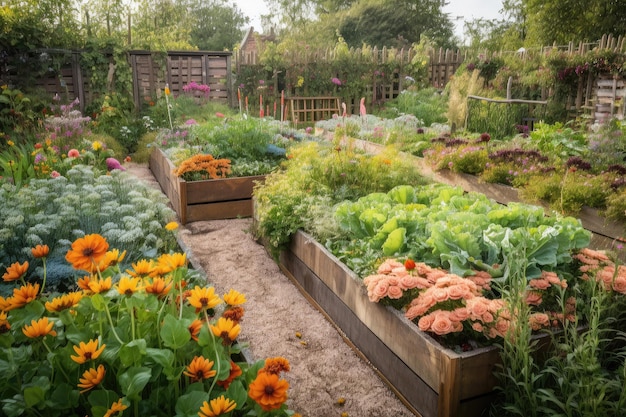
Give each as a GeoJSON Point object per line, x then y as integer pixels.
{"type": "Point", "coordinates": [129, 214]}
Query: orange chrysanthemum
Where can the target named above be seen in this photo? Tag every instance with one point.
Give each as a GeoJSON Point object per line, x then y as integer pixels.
{"type": "Point", "coordinates": [5, 326]}
{"type": "Point", "coordinates": [5, 304]}
{"type": "Point", "coordinates": [194, 328]}
{"type": "Point", "coordinates": [98, 286]}
{"type": "Point", "coordinates": [276, 365]}
{"type": "Point", "coordinates": [203, 298]}
{"type": "Point", "coordinates": [87, 351]}
{"type": "Point", "coordinates": [116, 407]}
{"type": "Point", "coordinates": [40, 251]}
{"type": "Point", "coordinates": [200, 368]}
{"type": "Point", "coordinates": [142, 268]}
{"type": "Point", "coordinates": [87, 251]}
{"type": "Point", "coordinates": [39, 328]}
{"type": "Point", "coordinates": [227, 329]}
{"type": "Point", "coordinates": [64, 302]}
{"type": "Point", "coordinates": [235, 371]}
{"type": "Point", "coordinates": [158, 286]}
{"type": "Point", "coordinates": [24, 295]}
{"type": "Point", "coordinates": [234, 298]}
{"type": "Point", "coordinates": [217, 407]}
{"type": "Point", "coordinates": [15, 271]}
{"type": "Point", "coordinates": [268, 390]}
{"type": "Point", "coordinates": [128, 286]}
{"type": "Point", "coordinates": [91, 378]}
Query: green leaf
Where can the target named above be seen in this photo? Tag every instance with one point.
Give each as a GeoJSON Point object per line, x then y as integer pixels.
{"type": "Point", "coordinates": [189, 404]}
{"type": "Point", "coordinates": [133, 352]}
{"type": "Point", "coordinates": [98, 302]}
{"type": "Point", "coordinates": [394, 242]}
{"type": "Point", "coordinates": [64, 397]}
{"type": "Point", "coordinates": [34, 395]}
{"type": "Point", "coordinates": [133, 381]}
{"type": "Point", "coordinates": [237, 392]}
{"type": "Point", "coordinates": [403, 194]}
{"type": "Point", "coordinates": [174, 333]}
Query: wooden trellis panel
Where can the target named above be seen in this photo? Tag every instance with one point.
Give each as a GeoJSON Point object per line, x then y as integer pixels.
{"type": "Point", "coordinates": [313, 109]}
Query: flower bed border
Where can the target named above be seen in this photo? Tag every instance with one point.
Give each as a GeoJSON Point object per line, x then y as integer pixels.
{"type": "Point", "coordinates": [223, 198]}
{"type": "Point", "coordinates": [430, 379]}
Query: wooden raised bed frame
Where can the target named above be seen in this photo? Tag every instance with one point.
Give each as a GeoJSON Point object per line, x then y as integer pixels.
{"type": "Point", "coordinates": [431, 380]}
{"type": "Point", "coordinates": [223, 198]}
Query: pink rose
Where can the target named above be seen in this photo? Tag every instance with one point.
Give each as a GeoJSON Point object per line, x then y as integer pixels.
{"type": "Point", "coordinates": [73, 153]}
{"type": "Point", "coordinates": [55, 174]}
{"type": "Point", "coordinates": [425, 322]}
{"type": "Point", "coordinates": [442, 324]}
{"type": "Point", "coordinates": [533, 298]}
{"type": "Point", "coordinates": [439, 294]}
{"type": "Point", "coordinates": [619, 284]}
{"type": "Point", "coordinates": [394, 292]}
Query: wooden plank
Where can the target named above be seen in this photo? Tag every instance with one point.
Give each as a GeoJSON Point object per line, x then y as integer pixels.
{"type": "Point", "coordinates": [219, 210]}
{"type": "Point", "coordinates": [221, 189]}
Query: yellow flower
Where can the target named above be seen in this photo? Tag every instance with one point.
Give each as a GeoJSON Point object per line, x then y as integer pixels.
{"type": "Point", "coordinates": [91, 378]}
{"type": "Point", "coordinates": [15, 271]}
{"type": "Point", "coordinates": [64, 301]}
{"type": "Point", "coordinates": [234, 298]}
{"type": "Point", "coordinates": [157, 286]}
{"type": "Point", "coordinates": [142, 268]}
{"type": "Point", "coordinates": [128, 285]}
{"type": "Point", "coordinates": [98, 286]}
{"type": "Point", "coordinates": [227, 329]}
{"type": "Point", "coordinates": [169, 262]}
{"type": "Point", "coordinates": [111, 258]}
{"type": "Point", "coordinates": [87, 351]}
{"type": "Point", "coordinates": [10, 143]}
{"type": "Point", "coordinates": [200, 368]}
{"type": "Point", "coordinates": [171, 226]}
{"type": "Point", "coordinates": [217, 407]}
{"type": "Point", "coordinates": [167, 90]}
{"type": "Point", "coordinates": [96, 145]}
{"type": "Point", "coordinates": [39, 328]}
{"type": "Point", "coordinates": [203, 298]}
{"type": "Point", "coordinates": [116, 407]}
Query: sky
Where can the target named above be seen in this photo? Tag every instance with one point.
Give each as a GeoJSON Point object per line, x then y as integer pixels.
{"type": "Point", "coordinates": [459, 10]}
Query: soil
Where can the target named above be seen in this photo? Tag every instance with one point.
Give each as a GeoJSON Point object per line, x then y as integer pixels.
{"type": "Point", "coordinates": [280, 321]}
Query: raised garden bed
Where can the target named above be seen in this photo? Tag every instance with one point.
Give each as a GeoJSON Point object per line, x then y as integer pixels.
{"type": "Point", "coordinates": [223, 198]}
{"type": "Point", "coordinates": [430, 379]}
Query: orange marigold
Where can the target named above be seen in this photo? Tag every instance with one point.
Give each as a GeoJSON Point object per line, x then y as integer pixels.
{"type": "Point", "coordinates": [39, 328]}
{"type": "Point", "coordinates": [40, 251]}
{"type": "Point", "coordinates": [87, 351]}
{"type": "Point", "coordinates": [217, 407]}
{"type": "Point", "coordinates": [91, 378]}
{"type": "Point", "coordinates": [235, 371]}
{"type": "Point", "coordinates": [116, 407]}
{"type": "Point", "coordinates": [276, 365]}
{"type": "Point", "coordinates": [200, 368]}
{"type": "Point", "coordinates": [23, 295]}
{"type": "Point", "coordinates": [64, 301]}
{"type": "Point", "coordinates": [205, 166]}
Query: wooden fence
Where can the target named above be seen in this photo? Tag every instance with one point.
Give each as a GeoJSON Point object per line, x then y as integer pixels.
{"type": "Point", "coordinates": [181, 68]}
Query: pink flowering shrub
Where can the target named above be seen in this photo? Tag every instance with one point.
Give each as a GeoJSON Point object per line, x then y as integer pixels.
{"type": "Point", "coordinates": [597, 265]}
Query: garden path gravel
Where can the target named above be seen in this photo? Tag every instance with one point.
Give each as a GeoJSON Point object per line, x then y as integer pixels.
{"type": "Point", "coordinates": [280, 321]}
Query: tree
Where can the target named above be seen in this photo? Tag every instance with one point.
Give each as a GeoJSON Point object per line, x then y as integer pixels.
{"type": "Point", "coordinates": [218, 26]}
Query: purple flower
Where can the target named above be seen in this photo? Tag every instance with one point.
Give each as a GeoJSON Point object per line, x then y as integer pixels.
{"type": "Point", "coordinates": [39, 158]}
{"type": "Point", "coordinates": [308, 130]}
{"type": "Point", "coordinates": [191, 122]}
{"type": "Point", "coordinates": [261, 82]}
{"type": "Point", "coordinates": [335, 81]}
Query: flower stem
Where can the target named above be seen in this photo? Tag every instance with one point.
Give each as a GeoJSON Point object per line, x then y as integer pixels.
{"type": "Point", "coordinates": [218, 363]}
{"type": "Point", "coordinates": [108, 313]}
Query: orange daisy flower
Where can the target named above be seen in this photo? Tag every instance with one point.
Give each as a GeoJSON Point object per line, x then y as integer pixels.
{"type": "Point", "coordinates": [200, 368]}
{"type": "Point", "coordinates": [87, 351]}
{"type": "Point", "coordinates": [268, 390]}
{"type": "Point", "coordinates": [217, 407]}
{"type": "Point", "coordinates": [227, 329]}
{"type": "Point", "coordinates": [91, 378]}
{"type": "Point", "coordinates": [40, 251]}
{"type": "Point", "coordinates": [203, 298]}
{"type": "Point", "coordinates": [235, 371]}
{"type": "Point", "coordinates": [24, 295]}
{"type": "Point", "coordinates": [234, 298]}
{"type": "Point", "coordinates": [87, 251]}
{"type": "Point", "coordinates": [15, 271]}
{"type": "Point", "coordinates": [39, 328]}
{"type": "Point", "coordinates": [128, 286]}
{"type": "Point", "coordinates": [83, 283]}
{"type": "Point", "coordinates": [5, 304]}
{"type": "Point", "coordinates": [157, 286]}
{"type": "Point", "coordinates": [64, 302]}
{"type": "Point", "coordinates": [116, 407]}
{"type": "Point", "coordinates": [143, 268]}
{"type": "Point", "coordinates": [194, 328]}
{"type": "Point", "coordinates": [276, 365]}
{"type": "Point", "coordinates": [98, 286]}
